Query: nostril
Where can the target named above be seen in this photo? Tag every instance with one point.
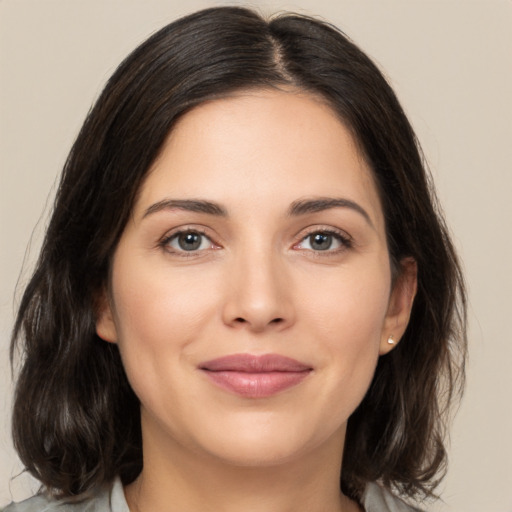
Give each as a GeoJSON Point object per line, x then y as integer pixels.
{"type": "Point", "coordinates": [241, 320]}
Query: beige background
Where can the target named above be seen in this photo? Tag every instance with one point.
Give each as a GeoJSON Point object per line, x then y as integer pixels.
{"type": "Point", "coordinates": [451, 64]}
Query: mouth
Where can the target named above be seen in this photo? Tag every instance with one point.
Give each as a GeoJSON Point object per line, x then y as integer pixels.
{"type": "Point", "coordinates": [252, 376]}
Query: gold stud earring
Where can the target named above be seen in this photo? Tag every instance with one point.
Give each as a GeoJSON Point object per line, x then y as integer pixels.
{"type": "Point", "coordinates": [391, 340]}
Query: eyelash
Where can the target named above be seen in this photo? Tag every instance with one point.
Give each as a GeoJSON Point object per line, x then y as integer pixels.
{"type": "Point", "coordinates": [164, 243]}
{"type": "Point", "coordinates": [344, 240]}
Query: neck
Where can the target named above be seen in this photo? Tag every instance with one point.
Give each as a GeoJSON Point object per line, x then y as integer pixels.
{"type": "Point", "coordinates": [176, 479]}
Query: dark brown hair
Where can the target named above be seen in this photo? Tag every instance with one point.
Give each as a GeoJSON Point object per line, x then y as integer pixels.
{"type": "Point", "coordinates": [76, 421]}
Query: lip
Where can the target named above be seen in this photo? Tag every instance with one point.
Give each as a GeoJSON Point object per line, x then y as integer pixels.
{"type": "Point", "coordinates": [255, 376]}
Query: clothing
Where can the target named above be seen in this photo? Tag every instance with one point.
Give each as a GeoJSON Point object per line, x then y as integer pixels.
{"type": "Point", "coordinates": [378, 499]}
{"type": "Point", "coordinates": [111, 499]}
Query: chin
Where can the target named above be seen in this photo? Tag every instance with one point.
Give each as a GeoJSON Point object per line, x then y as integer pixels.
{"type": "Point", "coordinates": [267, 442]}
{"type": "Point", "coordinates": [259, 454]}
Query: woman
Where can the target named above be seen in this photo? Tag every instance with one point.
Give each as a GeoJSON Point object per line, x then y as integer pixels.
{"type": "Point", "coordinates": [246, 295]}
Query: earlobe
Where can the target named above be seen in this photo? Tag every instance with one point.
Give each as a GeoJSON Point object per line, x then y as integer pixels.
{"type": "Point", "coordinates": [400, 305]}
{"type": "Point", "coordinates": [105, 325]}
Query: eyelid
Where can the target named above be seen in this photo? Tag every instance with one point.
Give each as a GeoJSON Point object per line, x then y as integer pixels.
{"type": "Point", "coordinates": [342, 236]}
{"type": "Point", "coordinates": [163, 243]}
{"type": "Point", "coordinates": [345, 240]}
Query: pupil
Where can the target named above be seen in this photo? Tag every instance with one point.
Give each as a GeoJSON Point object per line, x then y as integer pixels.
{"type": "Point", "coordinates": [189, 241]}
{"type": "Point", "coordinates": [321, 241]}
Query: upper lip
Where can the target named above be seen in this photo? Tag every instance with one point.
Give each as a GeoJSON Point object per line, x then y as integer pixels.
{"type": "Point", "coordinates": [249, 363]}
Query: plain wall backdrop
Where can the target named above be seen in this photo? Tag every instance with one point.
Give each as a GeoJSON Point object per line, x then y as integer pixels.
{"type": "Point", "coordinates": [450, 62]}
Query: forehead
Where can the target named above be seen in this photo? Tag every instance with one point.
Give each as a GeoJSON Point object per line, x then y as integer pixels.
{"type": "Point", "coordinates": [261, 144]}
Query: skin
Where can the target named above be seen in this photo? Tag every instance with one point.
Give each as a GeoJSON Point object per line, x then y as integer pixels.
{"type": "Point", "coordinates": [257, 284]}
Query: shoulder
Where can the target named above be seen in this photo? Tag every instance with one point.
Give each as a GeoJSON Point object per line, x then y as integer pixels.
{"type": "Point", "coordinates": [37, 504]}
{"type": "Point", "coordinates": [107, 499]}
{"type": "Point", "coordinates": [44, 504]}
{"type": "Point", "coordinates": [378, 499]}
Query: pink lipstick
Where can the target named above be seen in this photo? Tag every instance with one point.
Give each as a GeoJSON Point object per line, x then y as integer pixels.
{"type": "Point", "coordinates": [254, 376]}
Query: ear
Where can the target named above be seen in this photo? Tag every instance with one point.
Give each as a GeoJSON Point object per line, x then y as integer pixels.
{"type": "Point", "coordinates": [400, 305]}
{"type": "Point", "coordinates": [105, 325]}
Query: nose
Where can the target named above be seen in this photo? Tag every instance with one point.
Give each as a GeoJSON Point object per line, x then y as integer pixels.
{"type": "Point", "coordinates": [259, 293]}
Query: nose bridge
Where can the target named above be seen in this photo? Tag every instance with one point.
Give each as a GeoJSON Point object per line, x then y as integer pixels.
{"type": "Point", "coordinates": [259, 291]}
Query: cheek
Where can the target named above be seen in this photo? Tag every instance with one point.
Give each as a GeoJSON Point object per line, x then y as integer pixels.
{"type": "Point", "coordinates": [154, 304]}
{"type": "Point", "coordinates": [157, 315]}
{"type": "Point", "coordinates": [350, 308]}
{"type": "Point", "coordinates": [346, 321]}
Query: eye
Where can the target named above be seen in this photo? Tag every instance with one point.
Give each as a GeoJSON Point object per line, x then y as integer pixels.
{"type": "Point", "coordinates": [188, 241]}
{"type": "Point", "coordinates": [328, 241]}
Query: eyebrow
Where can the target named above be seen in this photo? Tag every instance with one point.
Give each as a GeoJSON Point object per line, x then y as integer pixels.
{"type": "Point", "coordinates": [191, 205]}
{"type": "Point", "coordinates": [297, 208]}
{"type": "Point", "coordinates": [304, 206]}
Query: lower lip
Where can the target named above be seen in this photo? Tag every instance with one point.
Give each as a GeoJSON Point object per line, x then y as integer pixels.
{"type": "Point", "coordinates": [256, 385]}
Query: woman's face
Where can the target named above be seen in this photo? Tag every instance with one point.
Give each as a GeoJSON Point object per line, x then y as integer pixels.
{"type": "Point", "coordinates": [251, 289]}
